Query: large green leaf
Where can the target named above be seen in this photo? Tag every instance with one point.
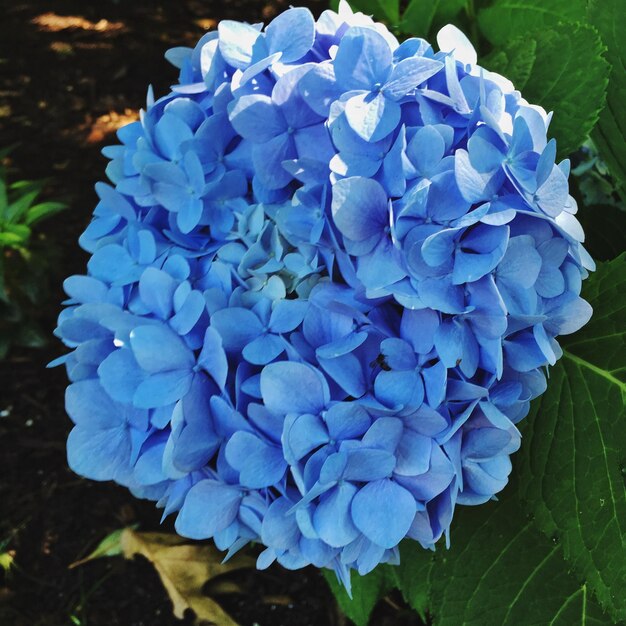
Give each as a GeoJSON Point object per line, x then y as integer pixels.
{"type": "Point", "coordinates": [366, 592]}
{"type": "Point", "coordinates": [387, 10]}
{"type": "Point", "coordinates": [515, 60]}
{"type": "Point", "coordinates": [507, 19]}
{"type": "Point", "coordinates": [421, 15]}
{"type": "Point", "coordinates": [569, 76]}
{"type": "Point", "coordinates": [575, 445]}
{"type": "Point", "coordinates": [413, 576]}
{"type": "Point", "coordinates": [609, 17]}
{"type": "Point", "coordinates": [500, 570]}
{"type": "Point", "coordinates": [605, 230]}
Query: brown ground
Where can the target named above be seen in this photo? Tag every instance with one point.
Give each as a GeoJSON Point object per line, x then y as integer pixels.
{"type": "Point", "coordinates": [71, 72]}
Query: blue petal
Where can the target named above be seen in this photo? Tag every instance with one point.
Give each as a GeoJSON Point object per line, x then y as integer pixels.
{"type": "Point", "coordinates": [408, 74]}
{"type": "Point", "coordinates": [156, 289]}
{"type": "Point", "coordinates": [303, 434]}
{"type": "Point", "coordinates": [259, 464]}
{"type": "Point", "coordinates": [383, 511]}
{"type": "Point", "coordinates": [99, 454]}
{"type": "Point", "coordinates": [286, 95]}
{"type": "Point", "coordinates": [169, 133]}
{"type": "Point", "coordinates": [280, 530]}
{"type": "Point", "coordinates": [384, 433]}
{"type": "Point", "coordinates": [209, 507]}
{"type": "Point", "coordinates": [399, 389]}
{"type": "Point", "coordinates": [367, 464]}
{"type": "Point", "coordinates": [347, 420]}
{"type": "Point", "coordinates": [372, 116]}
{"type": "Point", "coordinates": [332, 519]}
{"type": "Point", "coordinates": [236, 41]}
{"type": "Point", "coordinates": [287, 315]}
{"type": "Point", "coordinates": [188, 314]}
{"type": "Point", "coordinates": [237, 327]}
{"type": "Point", "coordinates": [268, 161]}
{"type": "Point", "coordinates": [158, 349]}
{"type": "Point", "coordinates": [120, 375]}
{"type": "Point", "coordinates": [319, 88]}
{"type": "Point", "coordinates": [279, 382]}
{"type": "Point", "coordinates": [426, 149]}
{"type": "Point", "coordinates": [256, 118]}
{"type": "Point", "coordinates": [360, 208]}
{"type": "Point", "coordinates": [292, 33]}
{"type": "Point", "coordinates": [263, 349]}
{"type": "Point", "coordinates": [413, 454]}
{"type": "Point", "coordinates": [189, 215]}
{"type": "Point", "coordinates": [212, 358]}
{"type": "Point", "coordinates": [363, 59]}
{"type": "Point", "coordinates": [89, 406]}
{"type": "Point", "coordinates": [162, 389]}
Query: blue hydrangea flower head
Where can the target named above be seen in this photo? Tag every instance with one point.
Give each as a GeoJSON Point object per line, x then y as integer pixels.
{"type": "Point", "coordinates": [326, 280]}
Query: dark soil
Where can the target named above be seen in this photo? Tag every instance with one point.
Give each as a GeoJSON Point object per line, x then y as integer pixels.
{"type": "Point", "coordinates": [70, 73]}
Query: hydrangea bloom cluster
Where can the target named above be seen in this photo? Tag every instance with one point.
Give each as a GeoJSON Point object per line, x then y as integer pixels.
{"type": "Point", "coordinates": [324, 285]}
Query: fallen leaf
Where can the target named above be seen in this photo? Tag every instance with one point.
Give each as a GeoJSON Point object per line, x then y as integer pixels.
{"type": "Point", "coordinates": [184, 568]}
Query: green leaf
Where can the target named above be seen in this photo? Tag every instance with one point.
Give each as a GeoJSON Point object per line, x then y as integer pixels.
{"type": "Point", "coordinates": [28, 335]}
{"type": "Point", "coordinates": [388, 10]}
{"type": "Point", "coordinates": [420, 15]}
{"type": "Point", "coordinates": [366, 592]}
{"type": "Point", "coordinates": [4, 200]}
{"type": "Point", "coordinates": [111, 545]}
{"type": "Point", "coordinates": [413, 576]}
{"type": "Point", "coordinates": [575, 462]}
{"type": "Point", "coordinates": [609, 17]}
{"type": "Point", "coordinates": [501, 571]}
{"type": "Point", "coordinates": [18, 208]}
{"type": "Point", "coordinates": [508, 19]}
{"type": "Point", "coordinates": [43, 210]}
{"type": "Point", "coordinates": [13, 239]}
{"type": "Point", "coordinates": [391, 10]}
{"type": "Point", "coordinates": [515, 61]}
{"type": "Point", "coordinates": [605, 230]}
{"type": "Point", "coordinates": [569, 76]}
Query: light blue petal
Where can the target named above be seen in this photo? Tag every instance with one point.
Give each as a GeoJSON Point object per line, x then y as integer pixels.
{"type": "Point", "coordinates": [236, 41]}
{"type": "Point", "coordinates": [363, 59]}
{"type": "Point", "coordinates": [372, 116]}
{"type": "Point", "coordinates": [408, 74]}
{"type": "Point", "coordinates": [279, 380]}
